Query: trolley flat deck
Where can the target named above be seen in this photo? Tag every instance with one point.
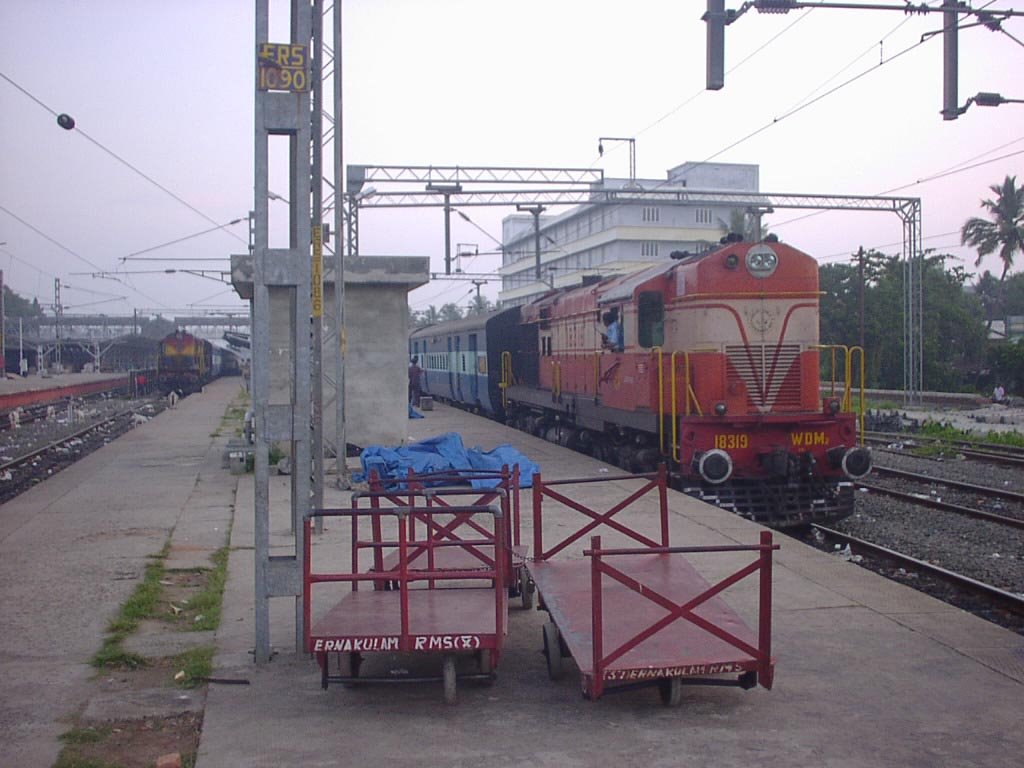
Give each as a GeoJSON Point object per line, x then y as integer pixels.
{"type": "Point", "coordinates": [420, 607]}
{"type": "Point", "coordinates": [644, 615]}
{"type": "Point", "coordinates": [679, 649]}
{"type": "Point", "coordinates": [439, 620]}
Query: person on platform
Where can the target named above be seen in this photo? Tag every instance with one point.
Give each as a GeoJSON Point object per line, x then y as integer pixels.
{"type": "Point", "coordinates": [415, 382]}
{"type": "Point", "coordinates": [999, 395]}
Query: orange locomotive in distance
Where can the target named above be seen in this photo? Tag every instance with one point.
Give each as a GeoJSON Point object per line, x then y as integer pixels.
{"type": "Point", "coordinates": [716, 371]}
{"type": "Point", "coordinates": [186, 363]}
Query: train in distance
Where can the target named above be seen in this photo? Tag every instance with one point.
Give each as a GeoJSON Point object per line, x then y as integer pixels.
{"type": "Point", "coordinates": [186, 363]}
{"type": "Point", "coordinates": [710, 363]}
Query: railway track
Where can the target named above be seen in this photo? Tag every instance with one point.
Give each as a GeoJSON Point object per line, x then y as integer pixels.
{"type": "Point", "coordinates": [990, 452]}
{"type": "Point", "coordinates": [925, 497]}
{"type": "Point", "coordinates": [968, 590]}
{"type": "Point", "coordinates": [20, 473]}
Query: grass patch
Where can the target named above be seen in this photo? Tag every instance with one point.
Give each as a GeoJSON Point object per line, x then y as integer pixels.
{"type": "Point", "coordinates": [206, 604]}
{"type": "Point", "coordinates": [112, 654]}
{"type": "Point", "coordinates": [948, 437]}
{"type": "Point", "coordinates": [234, 417]}
{"type": "Point", "coordinates": [197, 664]}
{"type": "Point", "coordinates": [1012, 439]}
{"type": "Point", "coordinates": [85, 735]}
{"type": "Point", "coordinates": [67, 760]}
{"type": "Point", "coordinates": [140, 605]}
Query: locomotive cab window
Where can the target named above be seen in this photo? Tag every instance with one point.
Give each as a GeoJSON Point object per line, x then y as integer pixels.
{"type": "Point", "coordinates": [651, 320]}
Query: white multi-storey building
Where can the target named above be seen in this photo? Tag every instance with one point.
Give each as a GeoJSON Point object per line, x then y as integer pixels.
{"type": "Point", "coordinates": [606, 238]}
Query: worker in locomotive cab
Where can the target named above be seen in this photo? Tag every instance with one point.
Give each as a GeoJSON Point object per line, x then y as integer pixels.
{"type": "Point", "coordinates": [612, 336]}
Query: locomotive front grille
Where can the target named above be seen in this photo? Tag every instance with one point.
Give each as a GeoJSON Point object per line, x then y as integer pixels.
{"type": "Point", "coordinates": [769, 372]}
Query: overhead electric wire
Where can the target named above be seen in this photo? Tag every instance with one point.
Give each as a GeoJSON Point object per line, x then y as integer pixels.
{"type": "Point", "coordinates": [815, 100]}
{"type": "Point", "coordinates": [45, 236]}
{"type": "Point", "coordinates": [76, 255]}
{"type": "Point", "coordinates": [732, 69]}
{"type": "Point", "coordinates": [183, 239]}
{"type": "Point", "coordinates": [942, 174]}
{"type": "Point", "coordinates": [120, 159]}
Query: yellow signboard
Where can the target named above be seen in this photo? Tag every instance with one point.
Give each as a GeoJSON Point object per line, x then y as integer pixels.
{"type": "Point", "coordinates": [318, 271]}
{"type": "Point", "coordinates": [283, 67]}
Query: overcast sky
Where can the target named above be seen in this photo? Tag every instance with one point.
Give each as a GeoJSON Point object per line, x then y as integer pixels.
{"type": "Point", "coordinates": [167, 88]}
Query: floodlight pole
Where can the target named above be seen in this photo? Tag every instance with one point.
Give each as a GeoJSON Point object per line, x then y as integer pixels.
{"type": "Point", "coordinates": [447, 190]}
{"type": "Point", "coordinates": [536, 210]}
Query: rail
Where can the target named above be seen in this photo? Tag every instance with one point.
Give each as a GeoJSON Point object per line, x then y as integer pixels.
{"type": "Point", "coordinates": [846, 397]}
{"type": "Point", "coordinates": [507, 379]}
{"type": "Point", "coordinates": [690, 395]}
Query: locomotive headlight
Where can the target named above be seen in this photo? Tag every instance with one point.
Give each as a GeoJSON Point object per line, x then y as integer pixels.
{"type": "Point", "coordinates": [720, 409]}
{"type": "Point", "coordinates": [762, 261]}
{"type": "Point", "coordinates": [715, 466]}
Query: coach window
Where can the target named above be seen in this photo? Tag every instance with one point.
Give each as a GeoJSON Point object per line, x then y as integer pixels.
{"type": "Point", "coordinates": [651, 320]}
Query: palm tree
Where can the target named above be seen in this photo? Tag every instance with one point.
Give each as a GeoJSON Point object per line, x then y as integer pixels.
{"type": "Point", "coordinates": [1005, 234]}
{"type": "Point", "coordinates": [742, 223]}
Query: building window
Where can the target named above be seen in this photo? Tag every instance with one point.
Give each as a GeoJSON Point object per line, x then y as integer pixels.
{"type": "Point", "coordinates": [703, 215]}
{"type": "Point", "coordinates": [651, 214]}
{"type": "Point", "coordinates": [649, 249]}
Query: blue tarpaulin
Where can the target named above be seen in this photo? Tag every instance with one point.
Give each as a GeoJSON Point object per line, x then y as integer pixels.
{"type": "Point", "coordinates": [442, 453]}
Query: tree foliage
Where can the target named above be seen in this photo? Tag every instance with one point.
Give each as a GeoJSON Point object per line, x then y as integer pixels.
{"type": "Point", "coordinates": [954, 329]}
{"type": "Point", "coordinates": [18, 306]}
{"type": "Point", "coordinates": [1004, 234]}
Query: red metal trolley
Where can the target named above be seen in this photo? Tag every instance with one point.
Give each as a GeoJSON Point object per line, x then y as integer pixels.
{"type": "Point", "coordinates": [505, 493]}
{"type": "Point", "coordinates": [423, 607]}
{"type": "Point", "coordinates": [643, 616]}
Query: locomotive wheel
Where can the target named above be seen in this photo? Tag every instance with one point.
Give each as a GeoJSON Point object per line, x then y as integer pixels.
{"type": "Point", "coordinates": [448, 674]}
{"type": "Point", "coordinates": [553, 650]}
{"type": "Point", "coordinates": [671, 691]}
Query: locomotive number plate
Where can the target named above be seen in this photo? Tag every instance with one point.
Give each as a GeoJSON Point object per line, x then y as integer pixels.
{"type": "Point", "coordinates": [732, 442]}
{"type": "Point", "coordinates": [807, 439]}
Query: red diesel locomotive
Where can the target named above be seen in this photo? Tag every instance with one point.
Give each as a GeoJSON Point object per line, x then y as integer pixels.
{"type": "Point", "coordinates": [714, 368]}
{"type": "Point", "coordinates": [186, 363]}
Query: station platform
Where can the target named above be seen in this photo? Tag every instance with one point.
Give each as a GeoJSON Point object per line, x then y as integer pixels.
{"type": "Point", "coordinates": [869, 672]}
{"type": "Point", "coordinates": [18, 391]}
{"type": "Point", "coordinates": [73, 548]}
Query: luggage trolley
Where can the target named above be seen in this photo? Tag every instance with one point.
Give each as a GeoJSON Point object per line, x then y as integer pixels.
{"type": "Point", "coordinates": [643, 616]}
{"type": "Point", "coordinates": [428, 609]}
{"type": "Point", "coordinates": [505, 491]}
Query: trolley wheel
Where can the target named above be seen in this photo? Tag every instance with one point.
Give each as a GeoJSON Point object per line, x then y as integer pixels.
{"type": "Point", "coordinates": [553, 650]}
{"type": "Point", "coordinates": [485, 664]}
{"type": "Point", "coordinates": [526, 589]}
{"type": "Point", "coordinates": [671, 691]}
{"type": "Point", "coordinates": [448, 674]}
{"type": "Point", "coordinates": [348, 666]}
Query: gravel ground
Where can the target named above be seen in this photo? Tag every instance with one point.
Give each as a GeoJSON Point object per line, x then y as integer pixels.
{"type": "Point", "coordinates": [984, 551]}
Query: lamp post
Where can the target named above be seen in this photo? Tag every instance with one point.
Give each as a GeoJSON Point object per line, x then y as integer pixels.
{"type": "Point", "coordinates": [986, 99]}
{"type": "Point", "coordinates": [536, 210]}
{"type": "Point", "coordinates": [632, 155]}
{"type": "Point", "coordinates": [447, 190]}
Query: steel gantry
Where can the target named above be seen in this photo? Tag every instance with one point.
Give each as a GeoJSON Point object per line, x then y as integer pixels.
{"type": "Point", "coordinates": [570, 187]}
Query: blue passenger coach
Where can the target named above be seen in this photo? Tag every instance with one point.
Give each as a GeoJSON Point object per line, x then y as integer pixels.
{"type": "Point", "coordinates": [458, 357]}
